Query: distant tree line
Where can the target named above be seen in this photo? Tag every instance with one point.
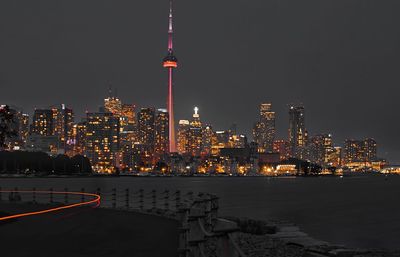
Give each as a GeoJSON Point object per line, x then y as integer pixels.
{"type": "Point", "coordinates": [40, 163]}
{"type": "Point", "coordinates": [307, 168]}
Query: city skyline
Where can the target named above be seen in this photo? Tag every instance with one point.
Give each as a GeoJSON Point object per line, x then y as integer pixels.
{"type": "Point", "coordinates": [236, 89]}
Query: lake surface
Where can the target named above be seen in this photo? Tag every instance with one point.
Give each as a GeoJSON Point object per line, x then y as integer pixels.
{"type": "Point", "coordinates": [359, 211]}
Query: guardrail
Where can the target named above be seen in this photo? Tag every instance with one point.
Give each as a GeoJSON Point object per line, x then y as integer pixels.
{"type": "Point", "coordinates": [197, 214]}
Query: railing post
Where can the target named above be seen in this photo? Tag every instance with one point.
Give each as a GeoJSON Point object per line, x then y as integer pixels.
{"type": "Point", "coordinates": [114, 198]}
{"type": "Point", "coordinates": [141, 202]}
{"type": "Point", "coordinates": [183, 213]}
{"type": "Point", "coordinates": [66, 195]}
{"type": "Point", "coordinates": [154, 201]}
{"type": "Point", "coordinates": [51, 195]}
{"type": "Point", "coordinates": [98, 192]}
{"type": "Point", "coordinates": [166, 199]}
{"type": "Point", "coordinates": [82, 196]}
{"type": "Point", "coordinates": [177, 199]}
{"type": "Point", "coordinates": [15, 196]}
{"type": "Point", "coordinates": [127, 198]}
{"type": "Point", "coordinates": [214, 210]}
{"type": "Point", "coordinates": [34, 195]}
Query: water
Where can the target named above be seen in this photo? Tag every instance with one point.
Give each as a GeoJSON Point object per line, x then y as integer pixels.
{"type": "Point", "coordinates": [355, 211]}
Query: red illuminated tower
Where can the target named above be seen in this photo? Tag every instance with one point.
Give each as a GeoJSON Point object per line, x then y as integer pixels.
{"type": "Point", "coordinates": [170, 62]}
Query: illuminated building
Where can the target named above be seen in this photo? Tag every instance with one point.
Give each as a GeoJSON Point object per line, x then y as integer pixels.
{"type": "Point", "coordinates": [370, 149]}
{"type": "Point", "coordinates": [20, 126]}
{"type": "Point", "coordinates": [283, 148]}
{"type": "Point", "coordinates": [128, 135]}
{"type": "Point", "coordinates": [79, 135]}
{"type": "Point", "coordinates": [170, 62]}
{"type": "Point", "coordinates": [102, 141]}
{"type": "Point", "coordinates": [24, 126]}
{"type": "Point", "coordinates": [363, 152]}
{"type": "Point", "coordinates": [113, 104]}
{"type": "Point", "coordinates": [334, 158]}
{"type": "Point", "coordinates": [321, 148]}
{"type": "Point", "coordinates": [208, 140]}
{"type": "Point", "coordinates": [43, 122]}
{"type": "Point", "coordinates": [129, 115]}
{"type": "Point", "coordinates": [183, 136]}
{"type": "Point", "coordinates": [223, 139]}
{"type": "Point", "coordinates": [63, 119]}
{"type": "Point", "coordinates": [297, 131]}
{"type": "Point", "coordinates": [264, 129]}
{"type": "Point", "coordinates": [146, 128]}
{"type": "Point", "coordinates": [353, 151]}
{"type": "Point", "coordinates": [162, 133]}
{"type": "Point", "coordinates": [195, 134]}
{"type": "Point", "coordinates": [237, 141]}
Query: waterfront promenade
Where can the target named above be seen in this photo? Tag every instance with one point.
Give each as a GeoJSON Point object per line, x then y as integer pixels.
{"type": "Point", "coordinates": [87, 231]}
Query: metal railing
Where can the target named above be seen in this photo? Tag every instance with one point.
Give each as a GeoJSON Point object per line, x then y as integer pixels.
{"type": "Point", "coordinates": [197, 214]}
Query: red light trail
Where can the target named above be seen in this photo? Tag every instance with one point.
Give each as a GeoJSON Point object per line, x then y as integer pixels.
{"type": "Point", "coordinates": [96, 201]}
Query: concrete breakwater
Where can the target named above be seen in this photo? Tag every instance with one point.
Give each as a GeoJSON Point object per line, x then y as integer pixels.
{"type": "Point", "coordinates": [201, 231]}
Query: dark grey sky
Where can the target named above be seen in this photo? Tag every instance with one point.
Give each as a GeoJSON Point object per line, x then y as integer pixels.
{"type": "Point", "coordinates": [339, 58]}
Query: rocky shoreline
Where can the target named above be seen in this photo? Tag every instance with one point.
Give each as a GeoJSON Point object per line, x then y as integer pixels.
{"type": "Point", "coordinates": [273, 238]}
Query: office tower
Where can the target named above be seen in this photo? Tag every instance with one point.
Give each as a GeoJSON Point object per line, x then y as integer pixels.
{"type": "Point", "coordinates": [113, 104]}
{"type": "Point", "coordinates": [183, 136]}
{"type": "Point", "coordinates": [79, 135]}
{"type": "Point", "coordinates": [321, 148]}
{"type": "Point", "coordinates": [129, 114]}
{"type": "Point", "coordinates": [353, 151]}
{"type": "Point", "coordinates": [128, 134]}
{"type": "Point", "coordinates": [334, 158]}
{"type": "Point", "coordinates": [370, 149]}
{"type": "Point", "coordinates": [297, 131]}
{"type": "Point", "coordinates": [146, 128]}
{"type": "Point", "coordinates": [208, 139]}
{"type": "Point", "coordinates": [102, 141]}
{"type": "Point", "coordinates": [19, 128]}
{"type": "Point", "coordinates": [264, 129]}
{"type": "Point", "coordinates": [162, 133]}
{"type": "Point", "coordinates": [282, 147]}
{"type": "Point", "coordinates": [237, 141]}
{"type": "Point", "coordinates": [43, 122]}
{"type": "Point", "coordinates": [170, 62]}
{"type": "Point", "coordinates": [195, 134]}
{"type": "Point", "coordinates": [23, 126]}
{"type": "Point", "coordinates": [63, 119]}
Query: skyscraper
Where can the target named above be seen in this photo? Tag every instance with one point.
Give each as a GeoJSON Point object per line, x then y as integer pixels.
{"type": "Point", "coordinates": [353, 151]}
{"type": "Point", "coordinates": [171, 62]}
{"type": "Point", "coordinates": [79, 134]}
{"type": "Point", "coordinates": [43, 122]}
{"type": "Point", "coordinates": [63, 125]}
{"type": "Point", "coordinates": [297, 131]}
{"type": "Point", "coordinates": [321, 148]}
{"type": "Point", "coordinates": [102, 141]}
{"type": "Point", "coordinates": [113, 104]}
{"type": "Point", "coordinates": [195, 134]}
{"type": "Point", "coordinates": [264, 129]}
{"type": "Point", "coordinates": [370, 149]}
{"type": "Point", "coordinates": [183, 136]}
{"type": "Point", "coordinates": [208, 140]}
{"type": "Point", "coordinates": [146, 128]}
{"type": "Point", "coordinates": [161, 130]}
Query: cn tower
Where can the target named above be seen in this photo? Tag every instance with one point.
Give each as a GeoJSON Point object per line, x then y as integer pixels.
{"type": "Point", "coordinates": [170, 63]}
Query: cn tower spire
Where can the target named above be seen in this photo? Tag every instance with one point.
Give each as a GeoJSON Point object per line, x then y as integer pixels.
{"type": "Point", "coordinates": [170, 63]}
{"type": "Point", "coordinates": [170, 28]}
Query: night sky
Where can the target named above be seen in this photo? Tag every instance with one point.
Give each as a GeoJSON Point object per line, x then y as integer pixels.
{"type": "Point", "coordinates": [339, 58]}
